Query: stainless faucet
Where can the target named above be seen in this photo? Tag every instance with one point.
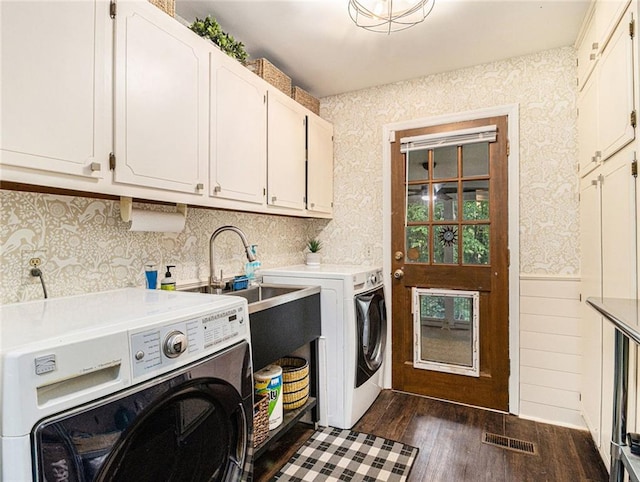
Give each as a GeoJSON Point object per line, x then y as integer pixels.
{"type": "Point", "coordinates": [218, 283]}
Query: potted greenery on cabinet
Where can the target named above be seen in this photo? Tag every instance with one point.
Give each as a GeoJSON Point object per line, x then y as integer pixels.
{"type": "Point", "coordinates": [313, 256]}
{"type": "Point", "coordinates": [210, 28]}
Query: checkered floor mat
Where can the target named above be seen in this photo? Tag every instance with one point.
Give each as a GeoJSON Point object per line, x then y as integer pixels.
{"type": "Point", "coordinates": [332, 454]}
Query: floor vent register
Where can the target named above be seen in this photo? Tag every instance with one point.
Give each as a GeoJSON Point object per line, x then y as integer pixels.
{"type": "Point", "coordinates": [509, 443]}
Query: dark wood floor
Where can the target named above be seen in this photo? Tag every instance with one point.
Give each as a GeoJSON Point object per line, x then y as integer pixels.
{"type": "Point", "coordinates": [450, 441]}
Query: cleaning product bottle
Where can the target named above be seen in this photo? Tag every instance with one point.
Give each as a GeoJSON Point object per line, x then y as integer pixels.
{"type": "Point", "coordinates": [251, 268]}
{"type": "Point", "coordinates": [168, 282]}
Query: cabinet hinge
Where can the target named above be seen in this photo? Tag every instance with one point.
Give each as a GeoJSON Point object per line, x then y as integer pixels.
{"type": "Point", "coordinates": [508, 147]}
{"type": "Point", "coordinates": [112, 161]}
{"type": "Point", "coordinates": [633, 118]}
{"type": "Point", "coordinates": [634, 168]}
{"type": "Point", "coordinates": [632, 28]}
{"type": "Point", "coordinates": [264, 191]}
{"type": "Point", "coordinates": [113, 9]}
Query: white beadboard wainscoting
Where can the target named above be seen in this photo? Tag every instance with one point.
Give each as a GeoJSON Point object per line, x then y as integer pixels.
{"type": "Point", "coordinates": [550, 357]}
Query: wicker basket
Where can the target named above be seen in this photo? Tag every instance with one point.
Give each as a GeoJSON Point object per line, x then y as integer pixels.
{"type": "Point", "coordinates": [260, 420]}
{"type": "Point", "coordinates": [168, 6]}
{"type": "Point", "coordinates": [295, 381]}
{"type": "Point", "coordinates": [303, 97]}
{"type": "Point", "coordinates": [269, 72]}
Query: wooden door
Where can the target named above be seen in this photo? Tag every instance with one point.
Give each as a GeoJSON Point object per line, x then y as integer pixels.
{"type": "Point", "coordinates": [449, 233]}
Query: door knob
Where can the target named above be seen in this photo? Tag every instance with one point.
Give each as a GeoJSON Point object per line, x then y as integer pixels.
{"type": "Point", "coordinates": [398, 274]}
{"type": "Point", "coordinates": [398, 255]}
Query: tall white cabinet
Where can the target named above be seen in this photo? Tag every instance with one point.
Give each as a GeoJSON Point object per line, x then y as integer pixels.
{"type": "Point", "coordinates": [319, 165]}
{"type": "Point", "coordinates": [56, 87]}
{"type": "Point", "coordinates": [608, 147]}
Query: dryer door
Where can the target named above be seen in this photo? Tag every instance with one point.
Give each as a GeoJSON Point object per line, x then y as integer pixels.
{"type": "Point", "coordinates": [371, 316]}
{"type": "Point", "coordinates": [189, 427]}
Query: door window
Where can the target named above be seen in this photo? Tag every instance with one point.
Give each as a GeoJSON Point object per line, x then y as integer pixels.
{"type": "Point", "coordinates": [448, 209]}
{"type": "Point", "coordinates": [445, 327]}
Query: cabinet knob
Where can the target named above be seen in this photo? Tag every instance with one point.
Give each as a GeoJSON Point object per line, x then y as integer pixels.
{"type": "Point", "coordinates": [96, 167]}
{"type": "Point", "coordinates": [313, 205]}
{"type": "Point", "coordinates": [199, 186]}
{"type": "Point", "coordinates": [273, 199]}
{"type": "Point", "coordinates": [592, 57]}
{"type": "Point", "coordinates": [594, 46]}
{"type": "Point", "coordinates": [217, 189]}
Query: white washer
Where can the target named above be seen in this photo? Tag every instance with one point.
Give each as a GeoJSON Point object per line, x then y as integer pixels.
{"type": "Point", "coordinates": [354, 328]}
{"type": "Point", "coordinates": [126, 385]}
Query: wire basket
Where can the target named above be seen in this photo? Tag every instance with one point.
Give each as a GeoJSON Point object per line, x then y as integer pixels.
{"type": "Point", "coordinates": [167, 6]}
{"type": "Point", "coordinates": [295, 381]}
{"type": "Point", "coordinates": [260, 420]}
{"type": "Point", "coordinates": [304, 98]}
{"type": "Point", "coordinates": [269, 72]}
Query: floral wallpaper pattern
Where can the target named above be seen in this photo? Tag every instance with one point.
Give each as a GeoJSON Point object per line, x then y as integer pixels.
{"type": "Point", "coordinates": [86, 247]}
{"type": "Point", "coordinates": [544, 86]}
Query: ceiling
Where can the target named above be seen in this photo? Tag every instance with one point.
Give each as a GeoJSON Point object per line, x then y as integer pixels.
{"type": "Point", "coordinates": [324, 52]}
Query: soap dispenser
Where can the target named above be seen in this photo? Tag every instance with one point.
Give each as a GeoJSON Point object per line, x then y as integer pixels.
{"type": "Point", "coordinates": [168, 282]}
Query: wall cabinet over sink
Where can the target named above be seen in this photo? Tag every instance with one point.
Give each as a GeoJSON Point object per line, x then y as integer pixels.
{"type": "Point", "coordinates": [138, 105]}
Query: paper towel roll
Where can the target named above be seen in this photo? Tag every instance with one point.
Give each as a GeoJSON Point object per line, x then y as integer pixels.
{"type": "Point", "coordinates": [156, 221]}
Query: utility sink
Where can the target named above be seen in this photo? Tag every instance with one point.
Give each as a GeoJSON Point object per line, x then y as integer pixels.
{"type": "Point", "coordinates": [265, 295]}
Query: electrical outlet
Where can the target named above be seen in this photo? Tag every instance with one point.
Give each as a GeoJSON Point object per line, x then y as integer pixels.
{"type": "Point", "coordinates": [33, 258]}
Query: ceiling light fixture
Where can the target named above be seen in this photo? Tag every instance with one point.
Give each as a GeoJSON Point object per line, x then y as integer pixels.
{"type": "Point", "coordinates": [386, 16]}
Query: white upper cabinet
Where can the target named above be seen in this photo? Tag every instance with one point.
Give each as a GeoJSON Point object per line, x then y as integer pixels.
{"type": "Point", "coordinates": [238, 144]}
{"type": "Point", "coordinates": [615, 90]}
{"type": "Point", "coordinates": [588, 50]}
{"type": "Point", "coordinates": [588, 154]}
{"type": "Point", "coordinates": [286, 158]}
{"type": "Point", "coordinates": [55, 87]}
{"type": "Point", "coordinates": [161, 101]}
{"type": "Point", "coordinates": [319, 165]}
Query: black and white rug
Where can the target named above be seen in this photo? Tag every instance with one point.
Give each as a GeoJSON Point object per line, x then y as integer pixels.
{"type": "Point", "coordinates": [332, 454]}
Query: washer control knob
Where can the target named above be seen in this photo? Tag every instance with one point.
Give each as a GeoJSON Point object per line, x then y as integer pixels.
{"type": "Point", "coordinates": [373, 279]}
{"type": "Point", "coordinates": [175, 344]}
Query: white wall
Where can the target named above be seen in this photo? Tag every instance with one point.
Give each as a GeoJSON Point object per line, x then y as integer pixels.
{"type": "Point", "coordinates": [550, 349]}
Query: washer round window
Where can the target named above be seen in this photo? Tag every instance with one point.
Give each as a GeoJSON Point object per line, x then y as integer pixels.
{"type": "Point", "coordinates": [194, 433]}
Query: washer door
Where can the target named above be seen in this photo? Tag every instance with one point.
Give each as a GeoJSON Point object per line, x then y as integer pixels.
{"type": "Point", "coordinates": [194, 426]}
{"type": "Point", "coordinates": [371, 317]}
{"type": "Point", "coordinates": [196, 433]}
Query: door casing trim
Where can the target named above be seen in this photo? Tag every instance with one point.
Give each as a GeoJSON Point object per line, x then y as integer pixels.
{"type": "Point", "coordinates": [512, 111]}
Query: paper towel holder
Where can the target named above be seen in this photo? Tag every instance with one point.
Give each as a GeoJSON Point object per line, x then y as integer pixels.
{"type": "Point", "coordinates": [126, 207]}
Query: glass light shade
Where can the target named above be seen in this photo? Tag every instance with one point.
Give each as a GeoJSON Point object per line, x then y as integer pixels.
{"type": "Point", "coordinates": [386, 16]}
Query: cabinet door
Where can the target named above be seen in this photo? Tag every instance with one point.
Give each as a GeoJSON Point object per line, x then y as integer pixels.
{"type": "Point", "coordinates": [587, 51]}
{"type": "Point", "coordinates": [619, 251]}
{"type": "Point", "coordinates": [319, 165]}
{"type": "Point", "coordinates": [286, 144]}
{"type": "Point", "coordinates": [591, 326]}
{"type": "Point", "coordinates": [238, 132]}
{"type": "Point", "coordinates": [161, 101]}
{"type": "Point", "coordinates": [588, 155]}
{"type": "Point", "coordinates": [55, 92]}
{"type": "Point", "coordinates": [615, 91]}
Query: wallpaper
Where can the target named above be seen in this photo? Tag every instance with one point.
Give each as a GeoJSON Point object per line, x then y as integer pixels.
{"type": "Point", "coordinates": [544, 86]}
{"type": "Point", "coordinates": [86, 247]}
